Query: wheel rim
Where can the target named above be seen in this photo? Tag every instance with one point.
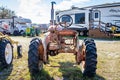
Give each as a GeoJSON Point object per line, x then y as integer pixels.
{"type": "Point", "coordinates": [40, 65]}
{"type": "Point", "coordinates": [8, 53]}
{"type": "Point", "coordinates": [81, 33]}
{"type": "Point", "coordinates": [21, 50]}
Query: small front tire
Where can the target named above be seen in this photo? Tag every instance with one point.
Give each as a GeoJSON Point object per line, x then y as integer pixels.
{"type": "Point", "coordinates": [19, 50]}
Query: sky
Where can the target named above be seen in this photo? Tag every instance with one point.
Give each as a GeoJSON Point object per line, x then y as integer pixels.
{"type": "Point", "coordinates": [39, 10]}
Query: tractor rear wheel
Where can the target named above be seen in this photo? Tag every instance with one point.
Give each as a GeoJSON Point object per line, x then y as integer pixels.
{"type": "Point", "coordinates": [35, 64]}
{"type": "Point", "coordinates": [6, 53]}
{"type": "Point", "coordinates": [90, 59]}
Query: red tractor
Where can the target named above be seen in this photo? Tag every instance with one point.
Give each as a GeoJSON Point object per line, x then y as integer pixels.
{"type": "Point", "coordinates": [62, 41]}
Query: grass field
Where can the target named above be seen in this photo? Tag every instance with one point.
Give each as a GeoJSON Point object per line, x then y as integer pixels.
{"type": "Point", "coordinates": [61, 66]}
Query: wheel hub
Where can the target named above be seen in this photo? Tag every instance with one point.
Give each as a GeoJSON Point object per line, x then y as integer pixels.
{"type": "Point", "coordinates": [8, 53]}
{"type": "Point", "coordinates": [40, 65]}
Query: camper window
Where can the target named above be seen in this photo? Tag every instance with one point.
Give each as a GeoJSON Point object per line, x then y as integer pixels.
{"type": "Point", "coordinates": [80, 18]}
{"type": "Point", "coordinates": [96, 15]}
{"type": "Point", "coordinates": [65, 19]}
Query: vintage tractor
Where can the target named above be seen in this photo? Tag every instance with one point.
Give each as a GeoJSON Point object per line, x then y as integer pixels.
{"type": "Point", "coordinates": [6, 50]}
{"type": "Point", "coordinates": [31, 31]}
{"type": "Point", "coordinates": [62, 41]}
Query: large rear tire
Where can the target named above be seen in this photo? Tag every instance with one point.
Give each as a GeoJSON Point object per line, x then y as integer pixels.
{"type": "Point", "coordinates": [6, 53]}
{"type": "Point", "coordinates": [90, 59]}
{"type": "Point", "coordinates": [35, 64]}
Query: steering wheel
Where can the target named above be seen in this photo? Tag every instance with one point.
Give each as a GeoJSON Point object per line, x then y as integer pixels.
{"type": "Point", "coordinates": [65, 21]}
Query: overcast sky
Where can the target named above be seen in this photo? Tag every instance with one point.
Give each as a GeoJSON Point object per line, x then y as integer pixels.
{"type": "Point", "coordinates": [39, 10]}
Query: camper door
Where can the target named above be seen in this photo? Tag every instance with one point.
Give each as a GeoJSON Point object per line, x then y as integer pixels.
{"type": "Point", "coordinates": [96, 15]}
{"type": "Point", "coordinates": [96, 18]}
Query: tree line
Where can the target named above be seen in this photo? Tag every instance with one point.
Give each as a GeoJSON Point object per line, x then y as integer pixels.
{"type": "Point", "coordinates": [6, 13]}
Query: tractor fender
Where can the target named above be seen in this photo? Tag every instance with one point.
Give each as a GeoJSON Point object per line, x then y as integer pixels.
{"type": "Point", "coordinates": [45, 45]}
{"type": "Point", "coordinates": [78, 44]}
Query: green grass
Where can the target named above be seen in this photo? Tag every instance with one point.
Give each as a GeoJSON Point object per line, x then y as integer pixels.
{"type": "Point", "coordinates": [61, 66]}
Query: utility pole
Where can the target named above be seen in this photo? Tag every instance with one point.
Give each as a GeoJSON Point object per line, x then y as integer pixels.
{"type": "Point", "coordinates": [13, 18]}
{"type": "Point", "coordinates": [52, 12]}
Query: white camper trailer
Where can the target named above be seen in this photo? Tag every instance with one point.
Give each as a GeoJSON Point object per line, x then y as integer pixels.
{"type": "Point", "coordinates": [20, 25]}
{"type": "Point", "coordinates": [103, 16]}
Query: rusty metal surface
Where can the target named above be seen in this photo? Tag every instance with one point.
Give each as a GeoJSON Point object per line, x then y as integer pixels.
{"type": "Point", "coordinates": [41, 51]}
{"type": "Point", "coordinates": [67, 33]}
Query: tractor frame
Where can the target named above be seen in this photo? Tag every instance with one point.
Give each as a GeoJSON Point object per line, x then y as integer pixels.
{"type": "Point", "coordinates": [63, 41]}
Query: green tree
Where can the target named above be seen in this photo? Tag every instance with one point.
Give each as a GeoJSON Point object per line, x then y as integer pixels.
{"type": "Point", "coordinates": [6, 13]}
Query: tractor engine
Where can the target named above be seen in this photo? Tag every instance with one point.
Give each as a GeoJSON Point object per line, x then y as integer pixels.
{"type": "Point", "coordinates": [53, 48]}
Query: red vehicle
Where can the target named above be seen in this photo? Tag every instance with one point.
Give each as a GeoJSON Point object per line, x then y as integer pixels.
{"type": "Point", "coordinates": [62, 41]}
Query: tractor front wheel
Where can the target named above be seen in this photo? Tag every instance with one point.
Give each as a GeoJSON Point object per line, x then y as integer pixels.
{"type": "Point", "coordinates": [6, 53]}
{"type": "Point", "coordinates": [19, 51]}
{"type": "Point", "coordinates": [35, 64]}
